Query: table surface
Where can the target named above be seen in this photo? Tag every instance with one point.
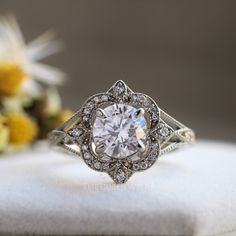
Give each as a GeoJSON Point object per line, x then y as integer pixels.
{"type": "Point", "coordinates": [188, 192]}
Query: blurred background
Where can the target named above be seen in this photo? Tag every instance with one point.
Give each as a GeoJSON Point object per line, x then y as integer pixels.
{"type": "Point", "coordinates": [182, 53]}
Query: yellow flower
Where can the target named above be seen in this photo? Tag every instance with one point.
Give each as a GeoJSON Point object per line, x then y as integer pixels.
{"type": "Point", "coordinates": [22, 128]}
{"type": "Point", "coordinates": [64, 115]}
{"type": "Point", "coordinates": [52, 101]}
{"type": "Point", "coordinates": [4, 133]}
{"type": "Point", "coordinates": [11, 77]}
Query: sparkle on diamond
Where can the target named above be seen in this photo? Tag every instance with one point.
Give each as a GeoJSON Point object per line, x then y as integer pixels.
{"type": "Point", "coordinates": [121, 131]}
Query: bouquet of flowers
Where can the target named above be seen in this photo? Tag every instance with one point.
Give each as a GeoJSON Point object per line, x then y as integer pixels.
{"type": "Point", "coordinates": [30, 105]}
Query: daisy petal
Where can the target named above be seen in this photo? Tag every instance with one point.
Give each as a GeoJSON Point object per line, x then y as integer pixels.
{"type": "Point", "coordinates": [47, 74]}
{"type": "Point", "coordinates": [43, 46]}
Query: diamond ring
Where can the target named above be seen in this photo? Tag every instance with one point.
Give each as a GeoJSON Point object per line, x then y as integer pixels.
{"type": "Point", "coordinates": [121, 132]}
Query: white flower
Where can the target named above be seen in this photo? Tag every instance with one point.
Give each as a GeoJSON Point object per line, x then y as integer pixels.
{"type": "Point", "coordinates": [53, 104]}
{"type": "Point", "coordinates": [14, 49]}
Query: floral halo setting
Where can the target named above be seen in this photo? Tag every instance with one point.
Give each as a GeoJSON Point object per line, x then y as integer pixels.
{"type": "Point", "coordinates": [121, 132]}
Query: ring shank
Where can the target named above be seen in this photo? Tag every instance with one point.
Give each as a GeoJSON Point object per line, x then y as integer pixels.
{"type": "Point", "coordinates": [181, 134]}
{"type": "Point", "coordinates": [59, 136]}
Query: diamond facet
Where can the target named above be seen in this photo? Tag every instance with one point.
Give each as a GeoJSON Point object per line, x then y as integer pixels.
{"type": "Point", "coordinates": [105, 166]}
{"type": "Point", "coordinates": [120, 130]}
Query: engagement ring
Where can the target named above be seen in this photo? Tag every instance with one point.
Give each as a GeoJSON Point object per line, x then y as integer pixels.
{"type": "Point", "coordinates": [121, 132]}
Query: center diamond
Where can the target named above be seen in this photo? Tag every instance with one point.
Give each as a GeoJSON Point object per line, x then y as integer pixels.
{"type": "Point", "coordinates": [120, 129]}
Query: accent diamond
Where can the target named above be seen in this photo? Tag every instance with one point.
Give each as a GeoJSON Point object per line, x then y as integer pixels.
{"type": "Point", "coordinates": [97, 165]}
{"type": "Point", "coordinates": [135, 166]}
{"type": "Point", "coordinates": [76, 132]}
{"type": "Point", "coordinates": [120, 175]}
{"type": "Point", "coordinates": [104, 98]}
{"type": "Point", "coordinates": [119, 88]}
{"type": "Point", "coordinates": [144, 165]}
{"type": "Point", "coordinates": [96, 99]}
{"type": "Point", "coordinates": [87, 156]}
{"type": "Point", "coordinates": [105, 166]}
{"type": "Point", "coordinates": [164, 131]}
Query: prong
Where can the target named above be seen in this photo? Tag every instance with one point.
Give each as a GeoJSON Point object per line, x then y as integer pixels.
{"type": "Point", "coordinates": [101, 113]}
{"type": "Point", "coordinates": [139, 112]}
{"type": "Point", "coordinates": [141, 147]}
{"type": "Point", "coordinates": [100, 148]}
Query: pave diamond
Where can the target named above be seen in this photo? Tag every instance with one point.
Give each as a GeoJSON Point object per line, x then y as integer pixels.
{"type": "Point", "coordinates": [76, 132]}
{"type": "Point", "coordinates": [164, 131]}
{"type": "Point", "coordinates": [120, 176]}
{"type": "Point", "coordinates": [87, 156]}
{"type": "Point", "coordinates": [120, 130]}
{"type": "Point", "coordinates": [119, 88]}
{"type": "Point", "coordinates": [97, 165]}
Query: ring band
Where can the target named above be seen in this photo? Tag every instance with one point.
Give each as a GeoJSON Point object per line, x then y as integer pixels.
{"type": "Point", "coordinates": [121, 132]}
